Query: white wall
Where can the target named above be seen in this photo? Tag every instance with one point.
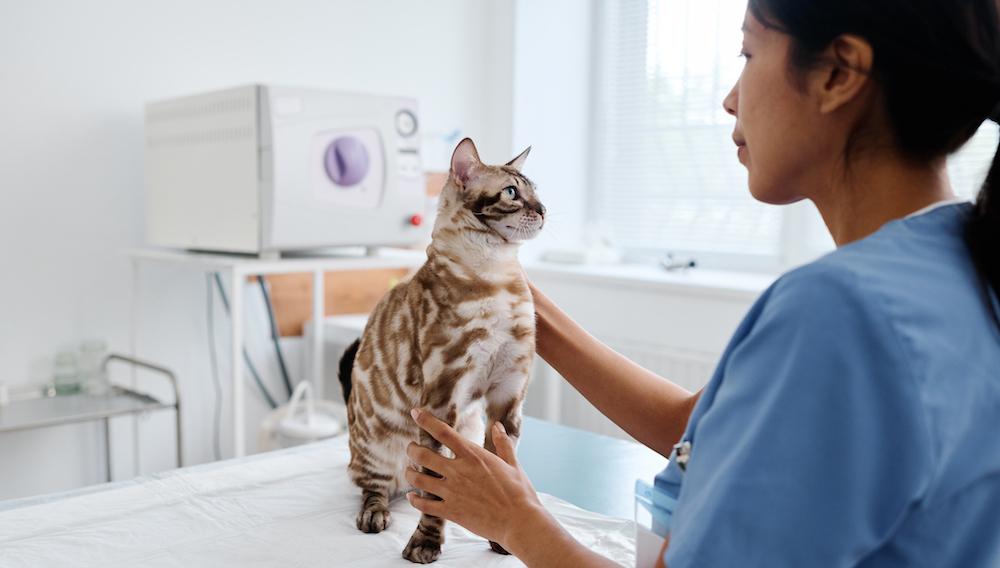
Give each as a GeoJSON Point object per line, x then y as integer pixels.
{"type": "Point", "coordinates": [552, 76]}
{"type": "Point", "coordinates": [73, 80]}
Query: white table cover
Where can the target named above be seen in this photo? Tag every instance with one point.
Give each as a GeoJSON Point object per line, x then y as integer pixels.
{"type": "Point", "coordinates": [292, 508]}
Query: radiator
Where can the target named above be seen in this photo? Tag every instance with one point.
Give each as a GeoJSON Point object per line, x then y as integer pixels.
{"type": "Point", "coordinates": [552, 398]}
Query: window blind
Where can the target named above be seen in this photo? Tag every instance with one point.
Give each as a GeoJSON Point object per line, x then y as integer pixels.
{"type": "Point", "coordinates": [665, 165]}
{"type": "Point", "coordinates": [666, 177]}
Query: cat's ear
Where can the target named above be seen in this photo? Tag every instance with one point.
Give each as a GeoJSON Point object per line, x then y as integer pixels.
{"type": "Point", "coordinates": [518, 162]}
{"type": "Point", "coordinates": [465, 164]}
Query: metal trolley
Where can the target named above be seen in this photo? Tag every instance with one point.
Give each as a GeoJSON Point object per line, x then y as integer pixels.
{"type": "Point", "coordinates": [45, 411]}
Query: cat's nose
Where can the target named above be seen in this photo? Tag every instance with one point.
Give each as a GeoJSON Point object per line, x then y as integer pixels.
{"type": "Point", "coordinates": [537, 207]}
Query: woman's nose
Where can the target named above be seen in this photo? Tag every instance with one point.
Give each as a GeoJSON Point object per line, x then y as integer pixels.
{"type": "Point", "coordinates": [730, 103]}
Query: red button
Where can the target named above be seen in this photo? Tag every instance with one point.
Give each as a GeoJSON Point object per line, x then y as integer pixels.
{"type": "Point", "coordinates": [416, 220]}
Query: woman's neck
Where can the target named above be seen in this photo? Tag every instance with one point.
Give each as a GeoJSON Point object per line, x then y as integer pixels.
{"type": "Point", "coordinates": [876, 191]}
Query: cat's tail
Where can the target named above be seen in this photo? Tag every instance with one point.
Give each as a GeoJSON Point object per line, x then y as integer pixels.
{"type": "Point", "coordinates": [346, 365]}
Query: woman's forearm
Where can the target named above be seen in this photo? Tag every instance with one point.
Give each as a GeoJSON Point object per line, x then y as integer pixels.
{"type": "Point", "coordinates": [539, 540]}
{"type": "Point", "coordinates": [650, 408]}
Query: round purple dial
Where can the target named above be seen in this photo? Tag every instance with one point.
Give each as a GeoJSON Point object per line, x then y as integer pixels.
{"type": "Point", "coordinates": [346, 161]}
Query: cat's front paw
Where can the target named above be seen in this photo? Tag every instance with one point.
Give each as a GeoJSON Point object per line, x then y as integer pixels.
{"type": "Point", "coordinates": [373, 520]}
{"type": "Point", "coordinates": [422, 550]}
{"type": "Point", "coordinates": [497, 548]}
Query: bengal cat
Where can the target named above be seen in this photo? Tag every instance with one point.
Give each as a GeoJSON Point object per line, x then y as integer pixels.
{"type": "Point", "coordinates": [455, 339]}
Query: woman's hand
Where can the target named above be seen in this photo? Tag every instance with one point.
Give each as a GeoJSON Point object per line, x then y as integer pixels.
{"type": "Point", "coordinates": [488, 494]}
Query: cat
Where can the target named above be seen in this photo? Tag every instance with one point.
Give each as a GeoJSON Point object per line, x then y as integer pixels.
{"type": "Point", "coordinates": [455, 339]}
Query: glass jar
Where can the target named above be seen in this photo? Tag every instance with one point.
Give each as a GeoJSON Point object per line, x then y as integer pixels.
{"type": "Point", "coordinates": [66, 373]}
{"type": "Point", "coordinates": [93, 379]}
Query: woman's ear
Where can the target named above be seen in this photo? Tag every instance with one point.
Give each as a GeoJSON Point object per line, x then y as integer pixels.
{"type": "Point", "coordinates": [845, 74]}
{"type": "Point", "coordinates": [465, 164]}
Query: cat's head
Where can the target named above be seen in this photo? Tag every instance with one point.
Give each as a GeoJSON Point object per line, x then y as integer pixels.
{"type": "Point", "coordinates": [492, 199]}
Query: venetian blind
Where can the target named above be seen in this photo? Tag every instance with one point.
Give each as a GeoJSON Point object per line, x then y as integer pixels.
{"type": "Point", "coordinates": [666, 176]}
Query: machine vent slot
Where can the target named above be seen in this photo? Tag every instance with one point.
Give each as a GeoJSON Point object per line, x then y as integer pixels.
{"type": "Point", "coordinates": [189, 122]}
{"type": "Point", "coordinates": [154, 139]}
{"type": "Point", "coordinates": [184, 110]}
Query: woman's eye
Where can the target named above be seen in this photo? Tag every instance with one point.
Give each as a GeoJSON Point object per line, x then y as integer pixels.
{"type": "Point", "coordinates": [510, 191]}
{"type": "Point", "coordinates": [744, 54]}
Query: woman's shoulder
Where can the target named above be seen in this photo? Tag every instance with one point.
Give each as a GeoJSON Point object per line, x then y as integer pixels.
{"type": "Point", "coordinates": [904, 295]}
{"type": "Point", "coordinates": [909, 266]}
{"type": "Point", "coordinates": [843, 298]}
{"type": "Point", "coordinates": [821, 287]}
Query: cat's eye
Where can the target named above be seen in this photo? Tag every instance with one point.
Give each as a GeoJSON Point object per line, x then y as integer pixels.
{"type": "Point", "coordinates": [510, 191]}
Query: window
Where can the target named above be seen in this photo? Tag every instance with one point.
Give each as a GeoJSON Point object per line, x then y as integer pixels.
{"type": "Point", "coordinates": [665, 174]}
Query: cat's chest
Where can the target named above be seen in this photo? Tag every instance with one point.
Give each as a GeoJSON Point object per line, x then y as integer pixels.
{"type": "Point", "coordinates": [491, 311]}
{"type": "Point", "coordinates": [501, 312]}
{"type": "Point", "coordinates": [499, 317]}
{"type": "Point", "coordinates": [495, 325]}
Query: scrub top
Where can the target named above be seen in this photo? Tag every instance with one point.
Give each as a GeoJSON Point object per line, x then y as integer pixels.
{"type": "Point", "coordinates": [854, 419]}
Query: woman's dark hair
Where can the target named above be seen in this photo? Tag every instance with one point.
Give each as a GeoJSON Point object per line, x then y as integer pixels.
{"type": "Point", "coordinates": [937, 63]}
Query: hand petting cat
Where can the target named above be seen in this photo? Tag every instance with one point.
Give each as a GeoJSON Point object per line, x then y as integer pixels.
{"type": "Point", "coordinates": [491, 496]}
{"type": "Point", "coordinates": [480, 490]}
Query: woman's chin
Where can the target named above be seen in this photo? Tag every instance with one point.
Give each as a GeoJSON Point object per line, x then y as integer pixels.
{"type": "Point", "coordinates": [771, 194]}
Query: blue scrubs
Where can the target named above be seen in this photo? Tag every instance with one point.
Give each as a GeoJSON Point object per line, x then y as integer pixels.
{"type": "Point", "coordinates": [854, 419]}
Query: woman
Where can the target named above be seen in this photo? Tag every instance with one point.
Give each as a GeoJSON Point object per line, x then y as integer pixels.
{"type": "Point", "coordinates": [853, 419]}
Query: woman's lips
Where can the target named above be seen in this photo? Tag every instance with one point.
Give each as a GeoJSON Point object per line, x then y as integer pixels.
{"type": "Point", "coordinates": [741, 147]}
{"type": "Point", "coordinates": [741, 151]}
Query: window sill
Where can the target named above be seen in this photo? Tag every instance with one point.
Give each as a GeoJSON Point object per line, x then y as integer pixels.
{"type": "Point", "coordinates": [745, 286]}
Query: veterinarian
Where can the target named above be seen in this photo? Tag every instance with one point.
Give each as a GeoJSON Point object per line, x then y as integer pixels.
{"type": "Point", "coordinates": [853, 419]}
